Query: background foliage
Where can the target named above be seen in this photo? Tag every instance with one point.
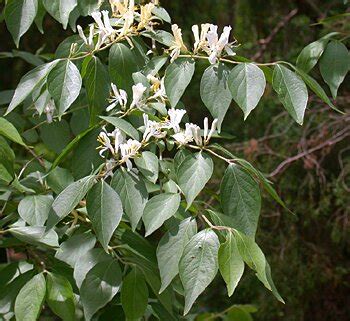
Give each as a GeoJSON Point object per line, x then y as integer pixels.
{"type": "Point", "coordinates": [309, 251]}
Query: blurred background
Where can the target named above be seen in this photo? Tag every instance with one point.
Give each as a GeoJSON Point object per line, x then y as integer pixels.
{"type": "Point", "coordinates": [310, 165]}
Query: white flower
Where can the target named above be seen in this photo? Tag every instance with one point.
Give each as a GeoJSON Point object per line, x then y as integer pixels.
{"type": "Point", "coordinates": [128, 17]}
{"type": "Point", "coordinates": [178, 45]}
{"type": "Point", "coordinates": [184, 136]}
{"type": "Point", "coordinates": [129, 150]}
{"type": "Point", "coordinates": [119, 96]}
{"type": "Point", "coordinates": [207, 135]}
{"type": "Point", "coordinates": [106, 144]}
{"type": "Point", "coordinates": [119, 139]}
{"type": "Point", "coordinates": [200, 40]}
{"type": "Point", "coordinates": [49, 110]}
{"type": "Point", "coordinates": [175, 117]}
{"type": "Point", "coordinates": [152, 129]}
{"type": "Point", "coordinates": [110, 164]}
{"type": "Point", "coordinates": [157, 87]}
{"type": "Point", "coordinates": [137, 92]}
{"type": "Point", "coordinates": [196, 133]}
{"type": "Point", "coordinates": [216, 45]}
{"type": "Point", "coordinates": [90, 40]}
{"type": "Point", "coordinates": [105, 29]}
{"type": "Point", "coordinates": [146, 15]}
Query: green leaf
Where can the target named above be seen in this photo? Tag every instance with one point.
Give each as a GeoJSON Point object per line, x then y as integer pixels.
{"type": "Point", "coordinates": [310, 55]}
{"type": "Point", "coordinates": [60, 297]}
{"type": "Point", "coordinates": [86, 7]}
{"type": "Point", "coordinates": [96, 80]}
{"type": "Point", "coordinates": [105, 211]}
{"type": "Point", "coordinates": [134, 295]}
{"type": "Point", "coordinates": [193, 174]}
{"type": "Point", "coordinates": [39, 18]}
{"type": "Point", "coordinates": [316, 88]}
{"type": "Point", "coordinates": [60, 9]}
{"type": "Point", "coordinates": [132, 192]}
{"type": "Point", "coordinates": [122, 64]}
{"type": "Point", "coordinates": [334, 65]}
{"type": "Point", "coordinates": [198, 265]}
{"type": "Point", "coordinates": [178, 76]}
{"type": "Point", "coordinates": [68, 199]}
{"type": "Point", "coordinates": [158, 209]}
{"type": "Point", "coordinates": [29, 82]}
{"type": "Point", "coordinates": [86, 262]}
{"type": "Point", "coordinates": [291, 91]}
{"type": "Point", "coordinates": [162, 14]}
{"type": "Point", "coordinates": [255, 259]}
{"type": "Point", "coordinates": [161, 36]}
{"type": "Point", "coordinates": [247, 84]}
{"type": "Point", "coordinates": [75, 248]}
{"type": "Point", "coordinates": [170, 249]}
{"type": "Point", "coordinates": [148, 166]}
{"type": "Point", "coordinates": [34, 209]}
{"type": "Point", "coordinates": [36, 235]}
{"type": "Point", "coordinates": [101, 284]}
{"type": "Point", "coordinates": [231, 265]}
{"type": "Point", "coordinates": [19, 16]}
{"type": "Point", "coordinates": [30, 299]}
{"type": "Point", "coordinates": [7, 160]}
{"type": "Point", "coordinates": [123, 125]}
{"type": "Point", "coordinates": [9, 131]}
{"type": "Point", "coordinates": [64, 84]}
{"type": "Point", "coordinates": [240, 199]}
{"type": "Point", "coordinates": [215, 92]}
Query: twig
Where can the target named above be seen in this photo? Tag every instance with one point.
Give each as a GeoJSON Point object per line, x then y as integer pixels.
{"type": "Point", "coordinates": [334, 140]}
{"type": "Point", "coordinates": [266, 41]}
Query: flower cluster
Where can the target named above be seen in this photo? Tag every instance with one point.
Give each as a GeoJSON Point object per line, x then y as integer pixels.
{"type": "Point", "coordinates": [207, 41]}
{"type": "Point", "coordinates": [122, 150]}
{"type": "Point", "coordinates": [126, 20]}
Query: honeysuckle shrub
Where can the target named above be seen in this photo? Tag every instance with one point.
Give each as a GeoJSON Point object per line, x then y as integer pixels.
{"type": "Point", "coordinates": [123, 218]}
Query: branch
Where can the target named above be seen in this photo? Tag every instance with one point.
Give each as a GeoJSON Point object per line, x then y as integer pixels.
{"type": "Point", "coordinates": [266, 41]}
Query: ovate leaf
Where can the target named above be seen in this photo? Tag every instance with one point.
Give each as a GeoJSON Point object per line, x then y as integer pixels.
{"type": "Point", "coordinates": [36, 235]}
{"type": "Point", "coordinates": [68, 199]}
{"type": "Point", "coordinates": [9, 131]}
{"type": "Point", "coordinates": [19, 15]}
{"type": "Point", "coordinates": [291, 91]}
{"type": "Point", "coordinates": [86, 262]}
{"type": "Point", "coordinates": [247, 84]}
{"type": "Point", "coordinates": [198, 265]}
{"type": "Point", "coordinates": [178, 75]}
{"type": "Point", "coordinates": [334, 65]}
{"type": "Point", "coordinates": [231, 265]}
{"type": "Point", "coordinates": [86, 7]}
{"type": "Point", "coordinates": [29, 82]}
{"type": "Point", "coordinates": [240, 199]}
{"type": "Point", "coordinates": [148, 165]}
{"type": "Point", "coordinates": [133, 193]}
{"type": "Point", "coordinates": [64, 84]}
{"type": "Point", "coordinates": [34, 209]}
{"type": "Point", "coordinates": [170, 249]}
{"type": "Point", "coordinates": [310, 55]}
{"type": "Point", "coordinates": [255, 259]}
{"type": "Point", "coordinates": [193, 174]}
{"type": "Point", "coordinates": [60, 9]}
{"type": "Point", "coordinates": [122, 64]}
{"type": "Point", "coordinates": [60, 297]}
{"type": "Point", "coordinates": [123, 125]}
{"type": "Point", "coordinates": [75, 248]}
{"type": "Point", "coordinates": [134, 295]}
{"type": "Point", "coordinates": [105, 211]}
{"type": "Point", "coordinates": [100, 286]}
{"type": "Point", "coordinates": [215, 92]}
{"type": "Point", "coordinates": [30, 299]}
{"type": "Point", "coordinates": [158, 209]}
{"type": "Point", "coordinates": [97, 84]}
